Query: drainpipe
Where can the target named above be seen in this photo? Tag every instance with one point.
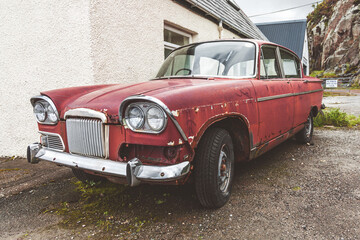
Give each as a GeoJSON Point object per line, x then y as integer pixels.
{"type": "Point", "coordinates": [220, 28]}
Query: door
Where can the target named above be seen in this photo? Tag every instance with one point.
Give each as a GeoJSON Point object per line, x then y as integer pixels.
{"type": "Point", "coordinates": [274, 96]}
{"type": "Point", "coordinates": [292, 71]}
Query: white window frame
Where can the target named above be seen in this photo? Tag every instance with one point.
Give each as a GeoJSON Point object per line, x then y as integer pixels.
{"type": "Point", "coordinates": [172, 46]}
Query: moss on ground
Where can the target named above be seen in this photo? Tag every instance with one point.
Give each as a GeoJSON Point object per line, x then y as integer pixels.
{"type": "Point", "coordinates": [110, 208]}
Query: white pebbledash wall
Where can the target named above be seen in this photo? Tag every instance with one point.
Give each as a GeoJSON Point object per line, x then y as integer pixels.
{"type": "Point", "coordinates": [55, 44]}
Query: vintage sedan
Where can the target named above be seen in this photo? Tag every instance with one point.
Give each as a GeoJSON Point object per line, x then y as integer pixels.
{"type": "Point", "coordinates": [212, 104]}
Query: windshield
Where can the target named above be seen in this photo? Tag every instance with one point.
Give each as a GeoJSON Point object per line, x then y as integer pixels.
{"type": "Point", "coordinates": [231, 59]}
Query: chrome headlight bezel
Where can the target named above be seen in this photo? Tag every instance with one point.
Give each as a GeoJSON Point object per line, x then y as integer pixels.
{"type": "Point", "coordinates": [50, 108]}
{"type": "Point", "coordinates": [141, 122]}
{"type": "Point", "coordinates": [39, 110]}
{"type": "Point", "coordinates": [144, 107]}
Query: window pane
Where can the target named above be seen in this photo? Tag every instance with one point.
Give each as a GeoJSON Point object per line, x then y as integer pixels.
{"type": "Point", "coordinates": [167, 52]}
{"type": "Point", "coordinates": [245, 68]}
{"type": "Point", "coordinates": [269, 67]}
{"type": "Point", "coordinates": [175, 38]}
{"type": "Point", "coordinates": [232, 58]}
{"type": "Point", "coordinates": [290, 65]}
{"type": "Point", "coordinates": [209, 66]}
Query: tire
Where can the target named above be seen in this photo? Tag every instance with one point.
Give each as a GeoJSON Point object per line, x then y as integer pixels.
{"type": "Point", "coordinates": [214, 168]}
{"type": "Point", "coordinates": [305, 135]}
{"type": "Point", "coordinates": [86, 177]}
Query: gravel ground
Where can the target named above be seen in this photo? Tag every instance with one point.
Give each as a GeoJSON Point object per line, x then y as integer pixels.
{"type": "Point", "coordinates": [292, 192]}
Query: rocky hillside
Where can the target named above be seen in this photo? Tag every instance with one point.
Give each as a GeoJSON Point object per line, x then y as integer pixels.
{"type": "Point", "coordinates": [334, 36]}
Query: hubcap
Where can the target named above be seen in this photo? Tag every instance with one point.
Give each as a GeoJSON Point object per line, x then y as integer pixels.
{"type": "Point", "coordinates": [308, 127]}
{"type": "Point", "coordinates": [224, 169]}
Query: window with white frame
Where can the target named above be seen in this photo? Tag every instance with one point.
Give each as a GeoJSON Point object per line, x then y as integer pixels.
{"type": "Point", "coordinates": [174, 38]}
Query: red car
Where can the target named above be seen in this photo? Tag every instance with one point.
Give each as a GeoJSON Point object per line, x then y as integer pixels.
{"type": "Point", "coordinates": [211, 104]}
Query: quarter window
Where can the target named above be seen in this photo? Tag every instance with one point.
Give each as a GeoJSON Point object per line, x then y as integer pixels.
{"type": "Point", "coordinates": [290, 65]}
{"type": "Point", "coordinates": [174, 38]}
{"type": "Point", "coordinates": [269, 67]}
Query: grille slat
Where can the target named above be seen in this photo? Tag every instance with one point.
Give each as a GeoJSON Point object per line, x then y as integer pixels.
{"type": "Point", "coordinates": [54, 141]}
{"type": "Point", "coordinates": [85, 136]}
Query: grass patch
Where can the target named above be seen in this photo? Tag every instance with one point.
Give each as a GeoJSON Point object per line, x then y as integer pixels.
{"type": "Point", "coordinates": [335, 94]}
{"type": "Point", "coordinates": [10, 169]}
{"type": "Point", "coordinates": [337, 118]}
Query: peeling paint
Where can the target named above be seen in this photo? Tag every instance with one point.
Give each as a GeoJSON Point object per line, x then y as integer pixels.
{"type": "Point", "coordinates": [175, 113]}
{"type": "Point", "coordinates": [172, 143]}
{"type": "Point", "coordinates": [196, 109]}
{"type": "Point", "coordinates": [180, 141]}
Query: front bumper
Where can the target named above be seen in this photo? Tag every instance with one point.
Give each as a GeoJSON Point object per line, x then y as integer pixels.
{"type": "Point", "coordinates": [134, 170]}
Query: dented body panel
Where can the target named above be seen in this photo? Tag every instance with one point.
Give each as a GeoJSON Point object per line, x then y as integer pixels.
{"type": "Point", "coordinates": [268, 110]}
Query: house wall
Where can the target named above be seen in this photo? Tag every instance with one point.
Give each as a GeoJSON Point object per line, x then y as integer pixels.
{"type": "Point", "coordinates": [305, 55]}
{"type": "Point", "coordinates": [128, 39]}
{"type": "Point", "coordinates": [54, 44]}
{"type": "Point", "coordinates": [43, 45]}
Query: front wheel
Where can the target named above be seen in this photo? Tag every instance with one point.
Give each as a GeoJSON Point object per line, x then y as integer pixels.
{"type": "Point", "coordinates": [214, 170]}
{"type": "Point", "coordinates": [305, 135]}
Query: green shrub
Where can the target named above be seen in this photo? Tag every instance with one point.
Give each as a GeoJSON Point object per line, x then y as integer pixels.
{"type": "Point", "coordinates": [316, 73]}
{"type": "Point", "coordinates": [335, 117]}
{"type": "Point", "coordinates": [324, 9]}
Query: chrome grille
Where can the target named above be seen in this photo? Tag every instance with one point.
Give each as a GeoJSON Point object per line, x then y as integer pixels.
{"type": "Point", "coordinates": [52, 141]}
{"type": "Point", "coordinates": [85, 136]}
{"type": "Point", "coordinates": [55, 142]}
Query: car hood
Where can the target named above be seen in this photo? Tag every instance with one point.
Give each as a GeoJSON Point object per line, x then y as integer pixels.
{"type": "Point", "coordinates": [107, 98]}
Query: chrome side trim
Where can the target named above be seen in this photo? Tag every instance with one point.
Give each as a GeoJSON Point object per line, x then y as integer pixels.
{"type": "Point", "coordinates": [313, 91]}
{"type": "Point", "coordinates": [262, 99]}
{"type": "Point", "coordinates": [154, 100]}
{"type": "Point", "coordinates": [109, 167]}
{"type": "Point", "coordinates": [85, 112]}
{"type": "Point", "coordinates": [56, 135]}
{"type": "Point", "coordinates": [51, 103]}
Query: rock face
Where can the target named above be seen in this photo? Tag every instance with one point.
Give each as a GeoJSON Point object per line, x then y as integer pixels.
{"type": "Point", "coordinates": [334, 36]}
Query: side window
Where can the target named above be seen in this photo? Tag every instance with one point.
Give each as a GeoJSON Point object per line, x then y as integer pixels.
{"type": "Point", "coordinates": [290, 65]}
{"type": "Point", "coordinates": [268, 63]}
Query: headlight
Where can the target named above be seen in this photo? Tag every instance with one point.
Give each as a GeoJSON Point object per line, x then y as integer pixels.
{"type": "Point", "coordinates": [51, 114]}
{"type": "Point", "coordinates": [155, 118]}
{"type": "Point", "coordinates": [154, 121]}
{"type": "Point", "coordinates": [135, 117]}
{"type": "Point", "coordinates": [40, 112]}
{"type": "Point", "coordinates": [44, 110]}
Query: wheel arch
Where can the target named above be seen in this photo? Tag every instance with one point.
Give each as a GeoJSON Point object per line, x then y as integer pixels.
{"type": "Point", "coordinates": [314, 110]}
{"type": "Point", "coordinates": [238, 127]}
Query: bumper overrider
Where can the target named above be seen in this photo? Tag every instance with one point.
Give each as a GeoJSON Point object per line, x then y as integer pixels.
{"type": "Point", "coordinates": [134, 171]}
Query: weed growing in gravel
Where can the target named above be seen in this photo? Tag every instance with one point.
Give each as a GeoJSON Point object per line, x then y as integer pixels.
{"type": "Point", "coordinates": [337, 118]}
{"type": "Point", "coordinates": [110, 208]}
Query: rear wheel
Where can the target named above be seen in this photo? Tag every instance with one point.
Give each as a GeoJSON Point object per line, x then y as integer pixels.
{"type": "Point", "coordinates": [305, 135]}
{"type": "Point", "coordinates": [214, 168]}
{"type": "Point", "coordinates": [86, 177]}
